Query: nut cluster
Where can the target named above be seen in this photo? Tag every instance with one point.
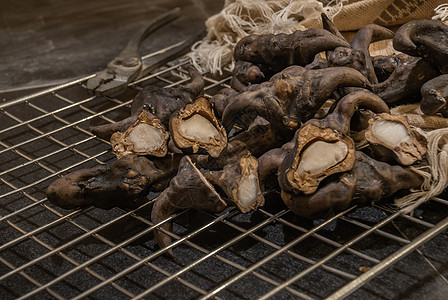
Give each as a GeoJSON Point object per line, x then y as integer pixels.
{"type": "Point", "coordinates": [325, 131]}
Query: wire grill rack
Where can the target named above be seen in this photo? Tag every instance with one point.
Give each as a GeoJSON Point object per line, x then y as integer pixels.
{"type": "Point", "coordinates": [48, 252]}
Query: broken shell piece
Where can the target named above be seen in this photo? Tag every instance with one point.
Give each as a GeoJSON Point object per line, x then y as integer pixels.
{"type": "Point", "coordinates": [364, 269]}
{"type": "Point", "coordinates": [188, 189]}
{"type": "Point", "coordinates": [145, 137]}
{"type": "Point", "coordinates": [318, 154]}
{"type": "Point", "coordinates": [391, 135]}
{"type": "Point", "coordinates": [196, 126]}
{"type": "Point", "coordinates": [240, 183]}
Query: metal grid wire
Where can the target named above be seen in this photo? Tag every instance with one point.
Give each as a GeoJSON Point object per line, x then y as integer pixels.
{"type": "Point", "coordinates": [48, 252]}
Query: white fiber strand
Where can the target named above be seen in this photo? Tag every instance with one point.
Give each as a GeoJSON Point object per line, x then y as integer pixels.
{"type": "Point", "coordinates": [441, 12]}
{"type": "Point", "coordinates": [436, 180]}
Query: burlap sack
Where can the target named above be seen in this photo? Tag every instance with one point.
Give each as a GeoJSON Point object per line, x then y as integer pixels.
{"type": "Point", "coordinates": [356, 13]}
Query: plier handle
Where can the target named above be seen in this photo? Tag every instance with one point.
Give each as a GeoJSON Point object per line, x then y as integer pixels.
{"type": "Point", "coordinates": [128, 65]}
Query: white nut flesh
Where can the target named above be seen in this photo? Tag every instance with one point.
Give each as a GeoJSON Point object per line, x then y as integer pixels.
{"type": "Point", "coordinates": [321, 155]}
{"type": "Point", "coordinates": [390, 133]}
{"type": "Point", "coordinates": [199, 129]}
{"type": "Point", "coordinates": [248, 190]}
{"type": "Point", "coordinates": [145, 138]}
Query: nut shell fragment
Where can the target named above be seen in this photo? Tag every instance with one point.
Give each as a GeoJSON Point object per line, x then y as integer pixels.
{"type": "Point", "coordinates": [369, 181]}
{"type": "Point", "coordinates": [145, 137]}
{"type": "Point", "coordinates": [391, 136]}
{"type": "Point", "coordinates": [307, 179]}
{"type": "Point", "coordinates": [302, 169]}
{"type": "Point", "coordinates": [196, 127]}
{"type": "Point", "coordinates": [247, 192]}
{"type": "Point", "coordinates": [240, 182]}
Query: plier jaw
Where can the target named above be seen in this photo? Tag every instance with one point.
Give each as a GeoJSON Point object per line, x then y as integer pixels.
{"type": "Point", "coordinates": [118, 74]}
{"type": "Point", "coordinates": [128, 65]}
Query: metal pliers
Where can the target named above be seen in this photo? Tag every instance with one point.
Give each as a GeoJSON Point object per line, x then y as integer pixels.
{"type": "Point", "coordinates": [129, 66]}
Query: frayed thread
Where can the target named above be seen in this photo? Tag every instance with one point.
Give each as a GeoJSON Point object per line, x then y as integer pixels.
{"type": "Point", "coordinates": [441, 12]}
{"type": "Point", "coordinates": [334, 7]}
{"type": "Point", "coordinates": [435, 175]}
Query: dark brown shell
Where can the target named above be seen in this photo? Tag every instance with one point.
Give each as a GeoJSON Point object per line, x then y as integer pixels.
{"type": "Point", "coordinates": [203, 108]}
{"type": "Point", "coordinates": [407, 152]}
{"type": "Point", "coordinates": [368, 182]}
{"type": "Point", "coordinates": [307, 182]}
{"type": "Point", "coordinates": [232, 178]}
{"type": "Point", "coordinates": [122, 144]}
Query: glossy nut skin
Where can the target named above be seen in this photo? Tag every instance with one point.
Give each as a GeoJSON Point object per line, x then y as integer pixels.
{"type": "Point", "coordinates": [274, 52]}
{"type": "Point", "coordinates": [124, 183]}
{"type": "Point", "coordinates": [188, 189]}
{"type": "Point", "coordinates": [424, 38]}
{"type": "Point", "coordinates": [435, 96]}
{"type": "Point", "coordinates": [291, 97]}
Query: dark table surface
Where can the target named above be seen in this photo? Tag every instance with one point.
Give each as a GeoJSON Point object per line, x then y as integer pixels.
{"type": "Point", "coordinates": [44, 43]}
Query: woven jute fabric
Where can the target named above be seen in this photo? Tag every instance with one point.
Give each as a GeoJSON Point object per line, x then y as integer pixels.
{"type": "Point", "coordinates": [355, 14]}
